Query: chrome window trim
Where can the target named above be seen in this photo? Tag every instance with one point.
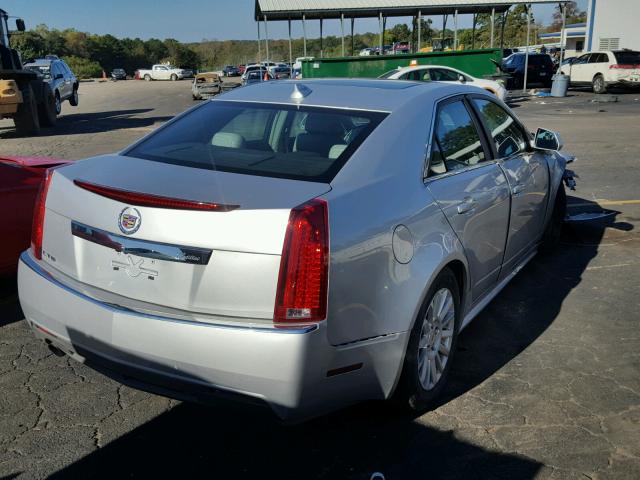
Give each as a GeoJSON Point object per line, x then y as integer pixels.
{"type": "Point", "coordinates": [32, 264]}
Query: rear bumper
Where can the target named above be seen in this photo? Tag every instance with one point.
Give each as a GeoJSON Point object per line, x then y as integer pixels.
{"type": "Point", "coordinates": [296, 372]}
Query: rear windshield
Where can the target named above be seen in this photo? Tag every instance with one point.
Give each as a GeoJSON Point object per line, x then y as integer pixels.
{"type": "Point", "coordinates": [44, 70]}
{"type": "Point", "coordinates": [389, 73]}
{"type": "Point", "coordinates": [284, 141]}
{"type": "Point", "coordinates": [539, 60]}
{"type": "Point", "coordinates": [627, 58]}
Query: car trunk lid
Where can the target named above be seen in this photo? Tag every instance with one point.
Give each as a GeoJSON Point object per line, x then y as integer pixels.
{"type": "Point", "coordinates": [219, 262]}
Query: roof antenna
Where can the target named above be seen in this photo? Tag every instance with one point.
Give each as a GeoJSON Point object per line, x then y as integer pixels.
{"type": "Point", "coordinates": [299, 92]}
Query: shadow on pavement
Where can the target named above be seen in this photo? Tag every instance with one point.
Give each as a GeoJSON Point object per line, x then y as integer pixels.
{"type": "Point", "coordinates": [232, 441]}
{"type": "Point", "coordinates": [10, 310]}
{"type": "Point", "coordinates": [528, 304]}
{"type": "Point", "coordinates": [97, 122]}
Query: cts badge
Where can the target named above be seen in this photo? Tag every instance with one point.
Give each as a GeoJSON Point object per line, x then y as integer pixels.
{"type": "Point", "coordinates": [129, 220]}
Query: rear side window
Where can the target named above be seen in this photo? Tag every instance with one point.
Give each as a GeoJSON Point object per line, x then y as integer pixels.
{"type": "Point", "coordinates": [444, 75]}
{"type": "Point", "coordinates": [284, 141]}
{"type": "Point", "coordinates": [507, 136]}
{"type": "Point", "coordinates": [456, 141]}
{"type": "Point", "coordinates": [627, 58]}
{"type": "Point", "coordinates": [598, 58]}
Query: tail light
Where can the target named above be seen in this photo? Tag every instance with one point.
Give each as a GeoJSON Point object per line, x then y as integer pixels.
{"type": "Point", "coordinates": [304, 267]}
{"type": "Point", "coordinates": [622, 66]}
{"type": "Point", "coordinates": [37, 228]}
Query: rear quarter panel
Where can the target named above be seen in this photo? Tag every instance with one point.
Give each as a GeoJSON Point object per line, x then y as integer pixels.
{"type": "Point", "coordinates": [370, 292]}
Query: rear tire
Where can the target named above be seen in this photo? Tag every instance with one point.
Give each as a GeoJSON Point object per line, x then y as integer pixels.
{"type": "Point", "coordinates": [73, 99]}
{"type": "Point", "coordinates": [432, 344]}
{"type": "Point", "coordinates": [147, 77]}
{"type": "Point", "coordinates": [47, 109]}
{"type": "Point", "coordinates": [553, 232]}
{"type": "Point", "coordinates": [26, 118]}
{"type": "Point", "coordinates": [599, 85]}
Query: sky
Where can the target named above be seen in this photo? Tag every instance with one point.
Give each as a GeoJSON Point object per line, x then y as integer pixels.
{"type": "Point", "coordinates": [189, 20]}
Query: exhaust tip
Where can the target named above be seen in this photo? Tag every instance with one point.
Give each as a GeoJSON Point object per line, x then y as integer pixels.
{"type": "Point", "coordinates": [55, 350]}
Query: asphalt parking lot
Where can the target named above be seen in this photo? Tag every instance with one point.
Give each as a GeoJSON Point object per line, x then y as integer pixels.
{"type": "Point", "coordinates": [546, 382]}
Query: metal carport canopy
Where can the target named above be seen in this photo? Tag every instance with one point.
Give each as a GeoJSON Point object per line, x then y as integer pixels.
{"type": "Point", "coordinates": [334, 9]}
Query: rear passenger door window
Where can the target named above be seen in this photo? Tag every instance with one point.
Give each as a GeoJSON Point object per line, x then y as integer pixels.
{"type": "Point", "coordinates": [507, 136]}
{"type": "Point", "coordinates": [444, 75]}
{"type": "Point", "coordinates": [456, 143]}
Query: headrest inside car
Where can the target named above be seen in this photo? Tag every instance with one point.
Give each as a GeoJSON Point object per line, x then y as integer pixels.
{"type": "Point", "coordinates": [324, 124]}
{"type": "Point", "coordinates": [228, 140]}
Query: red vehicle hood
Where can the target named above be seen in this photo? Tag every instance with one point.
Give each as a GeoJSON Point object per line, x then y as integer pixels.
{"type": "Point", "coordinates": [32, 161]}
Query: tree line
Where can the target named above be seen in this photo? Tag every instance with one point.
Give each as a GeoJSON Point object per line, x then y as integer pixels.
{"type": "Point", "coordinates": [89, 55]}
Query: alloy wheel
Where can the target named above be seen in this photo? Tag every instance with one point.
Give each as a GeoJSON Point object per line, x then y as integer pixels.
{"type": "Point", "coordinates": [436, 338]}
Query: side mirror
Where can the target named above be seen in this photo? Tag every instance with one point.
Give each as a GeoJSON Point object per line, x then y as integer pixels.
{"type": "Point", "coordinates": [462, 79]}
{"type": "Point", "coordinates": [20, 25]}
{"type": "Point", "coordinates": [548, 140]}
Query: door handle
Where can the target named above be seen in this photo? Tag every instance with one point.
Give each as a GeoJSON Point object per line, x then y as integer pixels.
{"type": "Point", "coordinates": [467, 205]}
{"type": "Point", "coordinates": [517, 189]}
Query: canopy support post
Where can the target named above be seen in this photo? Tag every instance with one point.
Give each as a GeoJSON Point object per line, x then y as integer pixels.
{"type": "Point", "coordinates": [455, 30]}
{"type": "Point", "coordinates": [352, 41]}
{"type": "Point", "coordinates": [526, 55]}
{"type": "Point", "coordinates": [493, 23]}
{"type": "Point", "coordinates": [266, 39]}
{"type": "Point", "coordinates": [419, 31]}
{"type": "Point", "coordinates": [444, 29]}
{"type": "Point", "coordinates": [342, 31]}
{"type": "Point", "coordinates": [304, 37]}
{"type": "Point", "coordinates": [290, 49]}
{"type": "Point", "coordinates": [504, 21]}
{"type": "Point", "coordinates": [259, 43]}
{"type": "Point", "coordinates": [321, 49]}
{"type": "Point", "coordinates": [381, 33]}
{"type": "Point", "coordinates": [473, 34]}
{"type": "Point", "coordinates": [563, 33]}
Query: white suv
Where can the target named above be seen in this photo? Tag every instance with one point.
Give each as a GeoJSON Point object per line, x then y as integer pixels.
{"type": "Point", "coordinates": [605, 69]}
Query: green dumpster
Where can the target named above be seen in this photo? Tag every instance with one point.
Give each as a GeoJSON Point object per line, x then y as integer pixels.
{"type": "Point", "coordinates": [477, 63]}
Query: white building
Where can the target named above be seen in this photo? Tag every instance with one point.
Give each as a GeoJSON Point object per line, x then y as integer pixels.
{"type": "Point", "coordinates": [573, 38]}
{"type": "Point", "coordinates": [613, 24]}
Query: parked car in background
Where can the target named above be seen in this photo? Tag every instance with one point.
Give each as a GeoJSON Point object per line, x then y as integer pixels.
{"type": "Point", "coordinates": [401, 47]}
{"type": "Point", "coordinates": [230, 71]}
{"type": "Point", "coordinates": [256, 76]}
{"type": "Point", "coordinates": [206, 85]}
{"type": "Point", "coordinates": [118, 74]}
{"type": "Point", "coordinates": [297, 67]}
{"type": "Point", "coordinates": [365, 52]}
{"type": "Point", "coordinates": [20, 180]}
{"type": "Point", "coordinates": [281, 72]}
{"type": "Point", "coordinates": [438, 73]}
{"type": "Point", "coordinates": [255, 68]}
{"type": "Point", "coordinates": [604, 69]}
{"type": "Point", "coordinates": [263, 246]}
{"type": "Point", "coordinates": [540, 69]}
{"type": "Point", "coordinates": [61, 79]}
{"type": "Point", "coordinates": [164, 72]}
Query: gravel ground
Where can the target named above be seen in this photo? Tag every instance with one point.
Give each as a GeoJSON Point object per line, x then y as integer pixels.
{"type": "Point", "coordinates": [546, 382]}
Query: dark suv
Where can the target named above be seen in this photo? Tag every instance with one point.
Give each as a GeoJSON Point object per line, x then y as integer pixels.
{"type": "Point", "coordinates": [540, 69]}
{"type": "Point", "coordinates": [57, 73]}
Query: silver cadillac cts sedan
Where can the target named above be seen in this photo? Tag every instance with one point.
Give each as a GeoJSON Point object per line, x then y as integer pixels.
{"type": "Point", "coordinates": [300, 244]}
